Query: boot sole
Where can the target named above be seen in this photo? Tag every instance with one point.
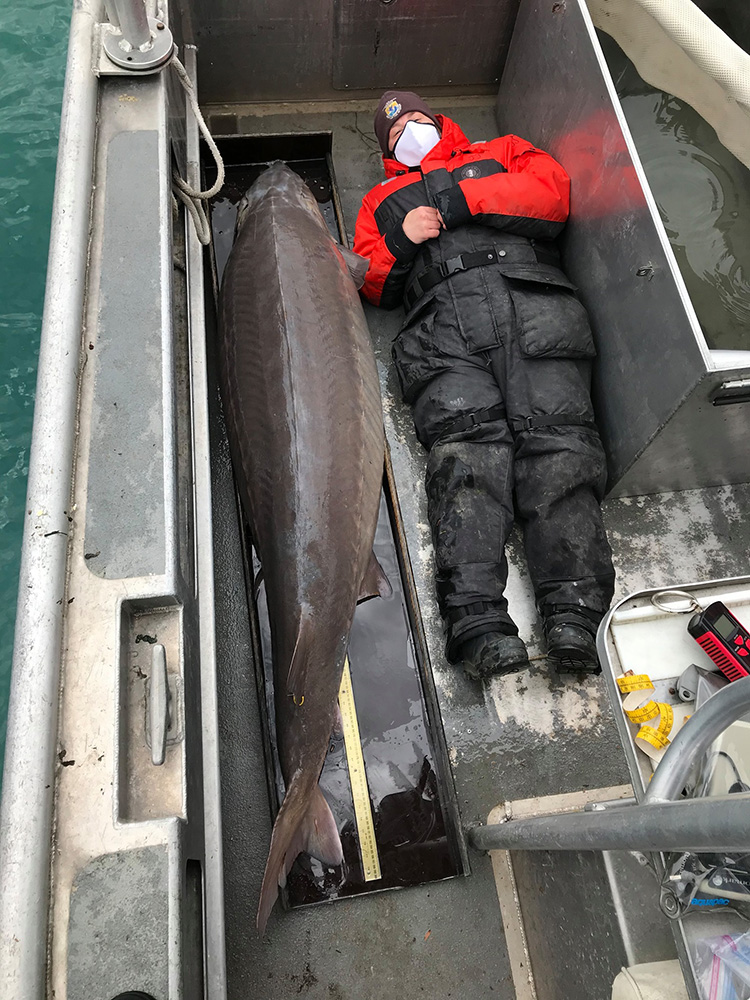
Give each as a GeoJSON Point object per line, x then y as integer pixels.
{"type": "Point", "coordinates": [501, 671]}
{"type": "Point", "coordinates": [573, 662]}
{"type": "Point", "coordinates": [510, 661]}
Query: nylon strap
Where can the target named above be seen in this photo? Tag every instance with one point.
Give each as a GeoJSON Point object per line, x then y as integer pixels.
{"type": "Point", "coordinates": [497, 412]}
{"type": "Point", "coordinates": [490, 413]}
{"type": "Point", "coordinates": [465, 610]}
{"type": "Point", "coordinates": [553, 420]}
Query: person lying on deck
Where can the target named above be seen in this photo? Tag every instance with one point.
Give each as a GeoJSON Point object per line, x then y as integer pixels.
{"type": "Point", "coordinates": [495, 358]}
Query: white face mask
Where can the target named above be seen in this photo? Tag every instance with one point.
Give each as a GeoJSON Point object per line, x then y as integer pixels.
{"type": "Point", "coordinates": [415, 142]}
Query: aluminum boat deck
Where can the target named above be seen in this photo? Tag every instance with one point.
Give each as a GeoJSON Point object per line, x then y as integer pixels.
{"type": "Point", "coordinates": [136, 814]}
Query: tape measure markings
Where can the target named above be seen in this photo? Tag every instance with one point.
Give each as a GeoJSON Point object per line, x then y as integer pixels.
{"type": "Point", "coordinates": [358, 779]}
{"type": "Point", "coordinates": [644, 713]}
{"type": "Point", "coordinates": [634, 682]}
{"type": "Point", "coordinates": [639, 708]}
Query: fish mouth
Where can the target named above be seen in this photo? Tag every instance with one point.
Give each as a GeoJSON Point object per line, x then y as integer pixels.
{"type": "Point", "coordinates": [277, 180]}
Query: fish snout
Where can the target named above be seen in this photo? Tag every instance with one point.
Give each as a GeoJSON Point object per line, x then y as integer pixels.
{"type": "Point", "coordinates": [280, 181]}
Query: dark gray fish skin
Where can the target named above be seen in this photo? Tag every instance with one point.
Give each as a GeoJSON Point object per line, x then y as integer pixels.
{"type": "Point", "coordinates": [304, 418]}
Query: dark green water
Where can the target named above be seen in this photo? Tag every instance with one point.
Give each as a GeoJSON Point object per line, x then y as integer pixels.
{"type": "Point", "coordinates": [33, 45]}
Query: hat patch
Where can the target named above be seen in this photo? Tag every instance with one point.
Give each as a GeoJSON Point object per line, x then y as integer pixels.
{"type": "Point", "coordinates": [392, 109]}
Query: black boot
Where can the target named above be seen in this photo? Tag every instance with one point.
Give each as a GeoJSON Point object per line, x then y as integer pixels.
{"type": "Point", "coordinates": [571, 640]}
{"type": "Point", "coordinates": [491, 655]}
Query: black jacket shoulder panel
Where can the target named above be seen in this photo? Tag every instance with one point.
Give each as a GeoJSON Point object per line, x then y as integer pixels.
{"type": "Point", "coordinates": [394, 207]}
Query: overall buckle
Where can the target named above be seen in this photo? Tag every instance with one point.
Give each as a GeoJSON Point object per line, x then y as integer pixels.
{"type": "Point", "coordinates": [454, 264]}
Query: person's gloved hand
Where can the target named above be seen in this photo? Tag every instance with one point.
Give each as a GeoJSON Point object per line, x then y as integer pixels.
{"type": "Point", "coordinates": [423, 223]}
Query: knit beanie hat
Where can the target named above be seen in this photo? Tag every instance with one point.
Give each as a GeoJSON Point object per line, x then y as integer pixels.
{"type": "Point", "coordinates": [393, 104]}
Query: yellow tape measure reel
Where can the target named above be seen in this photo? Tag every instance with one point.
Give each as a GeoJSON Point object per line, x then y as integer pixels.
{"type": "Point", "coordinates": [358, 779]}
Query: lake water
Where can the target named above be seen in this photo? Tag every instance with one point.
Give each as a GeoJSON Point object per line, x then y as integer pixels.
{"type": "Point", "coordinates": [33, 44]}
{"type": "Point", "coordinates": [703, 195]}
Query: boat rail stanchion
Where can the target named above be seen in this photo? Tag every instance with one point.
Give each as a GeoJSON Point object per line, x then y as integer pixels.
{"type": "Point", "coordinates": [661, 822]}
{"type": "Point", "coordinates": [111, 8]}
{"type": "Point", "coordinates": [133, 22]}
{"type": "Point", "coordinates": [132, 40]}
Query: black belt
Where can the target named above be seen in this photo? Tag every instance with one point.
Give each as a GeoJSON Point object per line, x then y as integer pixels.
{"type": "Point", "coordinates": [436, 273]}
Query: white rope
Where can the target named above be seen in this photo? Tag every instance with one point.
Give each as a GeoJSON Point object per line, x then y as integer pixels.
{"type": "Point", "coordinates": [190, 197]}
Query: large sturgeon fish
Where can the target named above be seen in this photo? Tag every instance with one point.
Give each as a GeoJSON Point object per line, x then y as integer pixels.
{"type": "Point", "coordinates": [305, 425]}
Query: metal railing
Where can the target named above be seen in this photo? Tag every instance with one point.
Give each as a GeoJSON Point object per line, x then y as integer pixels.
{"type": "Point", "coordinates": [660, 822]}
{"type": "Point", "coordinates": [30, 755]}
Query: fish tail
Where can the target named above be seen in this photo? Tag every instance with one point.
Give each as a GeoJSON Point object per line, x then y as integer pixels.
{"type": "Point", "coordinates": [304, 823]}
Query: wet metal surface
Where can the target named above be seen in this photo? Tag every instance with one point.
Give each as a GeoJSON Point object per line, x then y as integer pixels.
{"type": "Point", "coordinates": [326, 49]}
{"type": "Point", "coordinates": [125, 519]}
{"type": "Point", "coordinates": [375, 45]}
{"type": "Point", "coordinates": [565, 897]}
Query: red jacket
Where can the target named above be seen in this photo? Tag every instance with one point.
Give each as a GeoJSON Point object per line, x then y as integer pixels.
{"type": "Point", "coordinates": [505, 184]}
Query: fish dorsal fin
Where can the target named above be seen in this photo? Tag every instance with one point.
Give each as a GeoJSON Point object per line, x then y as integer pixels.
{"type": "Point", "coordinates": [297, 675]}
{"type": "Point", "coordinates": [374, 582]}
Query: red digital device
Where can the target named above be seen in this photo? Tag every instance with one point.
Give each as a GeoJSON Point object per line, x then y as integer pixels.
{"type": "Point", "coordinates": [726, 641]}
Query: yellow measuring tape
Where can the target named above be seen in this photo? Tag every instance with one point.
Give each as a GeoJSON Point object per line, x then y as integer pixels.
{"type": "Point", "coordinates": [640, 708]}
{"type": "Point", "coordinates": [358, 779]}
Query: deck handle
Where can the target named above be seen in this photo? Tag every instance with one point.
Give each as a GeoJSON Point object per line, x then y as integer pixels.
{"type": "Point", "coordinates": [159, 714]}
{"type": "Point", "coordinates": [732, 392]}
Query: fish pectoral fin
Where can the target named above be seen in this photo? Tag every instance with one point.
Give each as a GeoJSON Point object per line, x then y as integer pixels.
{"type": "Point", "coordinates": [297, 673]}
{"type": "Point", "coordinates": [374, 583]}
{"type": "Point", "coordinates": [356, 265]}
